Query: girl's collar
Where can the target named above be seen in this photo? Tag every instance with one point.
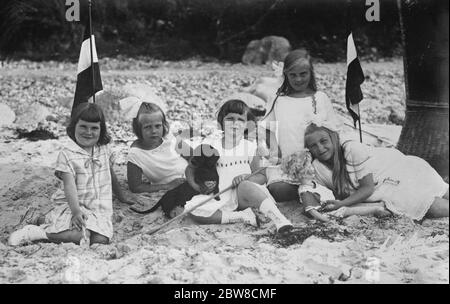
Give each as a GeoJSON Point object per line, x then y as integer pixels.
{"type": "Point", "coordinates": [165, 140]}
{"type": "Point", "coordinates": [74, 147]}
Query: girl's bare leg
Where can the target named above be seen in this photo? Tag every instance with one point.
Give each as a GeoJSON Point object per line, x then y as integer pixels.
{"type": "Point", "coordinates": [67, 236]}
{"type": "Point", "coordinates": [369, 209]}
{"type": "Point", "coordinates": [251, 195]}
{"type": "Point", "coordinates": [98, 238]}
{"type": "Point", "coordinates": [283, 192]}
{"type": "Point", "coordinates": [439, 208]}
{"type": "Point", "coordinates": [216, 218]}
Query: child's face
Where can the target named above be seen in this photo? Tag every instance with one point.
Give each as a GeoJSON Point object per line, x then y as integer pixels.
{"type": "Point", "coordinates": [87, 133]}
{"type": "Point", "coordinates": [152, 128]}
{"type": "Point", "coordinates": [320, 145]}
{"type": "Point", "coordinates": [235, 124]}
{"type": "Point", "coordinates": [299, 76]}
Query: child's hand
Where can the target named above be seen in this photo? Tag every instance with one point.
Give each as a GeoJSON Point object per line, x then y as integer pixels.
{"type": "Point", "coordinates": [332, 205]}
{"type": "Point", "coordinates": [175, 183]}
{"type": "Point", "coordinates": [238, 179]}
{"type": "Point", "coordinates": [78, 220]}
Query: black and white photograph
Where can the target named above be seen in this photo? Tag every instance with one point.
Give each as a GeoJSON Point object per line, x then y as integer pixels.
{"type": "Point", "coordinates": [225, 147]}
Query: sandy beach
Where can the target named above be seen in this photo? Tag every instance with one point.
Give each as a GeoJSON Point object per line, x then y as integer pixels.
{"type": "Point", "coordinates": [355, 250]}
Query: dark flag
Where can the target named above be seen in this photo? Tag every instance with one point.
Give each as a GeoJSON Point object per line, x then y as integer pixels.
{"type": "Point", "coordinates": [355, 77]}
{"type": "Point", "coordinates": [89, 81]}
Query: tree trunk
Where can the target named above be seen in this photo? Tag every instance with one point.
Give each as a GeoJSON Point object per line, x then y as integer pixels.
{"type": "Point", "coordinates": [424, 26]}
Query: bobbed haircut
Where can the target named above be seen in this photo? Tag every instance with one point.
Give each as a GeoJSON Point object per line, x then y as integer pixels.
{"type": "Point", "coordinates": [149, 108]}
{"type": "Point", "coordinates": [89, 112]}
{"type": "Point", "coordinates": [234, 106]}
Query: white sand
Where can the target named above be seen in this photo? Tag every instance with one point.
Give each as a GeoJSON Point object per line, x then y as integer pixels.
{"type": "Point", "coordinates": [372, 251]}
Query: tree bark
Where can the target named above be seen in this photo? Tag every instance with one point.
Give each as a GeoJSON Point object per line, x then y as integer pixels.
{"type": "Point", "coordinates": [424, 25]}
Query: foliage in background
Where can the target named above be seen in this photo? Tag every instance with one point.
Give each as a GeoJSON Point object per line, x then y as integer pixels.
{"type": "Point", "coordinates": [179, 29]}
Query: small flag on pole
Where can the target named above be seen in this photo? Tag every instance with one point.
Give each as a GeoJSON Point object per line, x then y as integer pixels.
{"type": "Point", "coordinates": [89, 81]}
{"type": "Point", "coordinates": [355, 77]}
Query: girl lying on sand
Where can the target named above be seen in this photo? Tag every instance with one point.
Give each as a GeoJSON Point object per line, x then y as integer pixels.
{"type": "Point", "coordinates": [357, 173]}
{"type": "Point", "coordinates": [298, 169]}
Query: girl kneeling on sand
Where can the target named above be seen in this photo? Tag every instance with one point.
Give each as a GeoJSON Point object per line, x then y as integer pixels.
{"type": "Point", "coordinates": [357, 173]}
{"type": "Point", "coordinates": [237, 160]}
{"type": "Point", "coordinates": [84, 206]}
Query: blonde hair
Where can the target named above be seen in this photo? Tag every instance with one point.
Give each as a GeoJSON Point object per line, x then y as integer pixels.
{"type": "Point", "coordinates": [340, 177]}
{"type": "Point", "coordinates": [289, 62]}
{"type": "Point", "coordinates": [149, 108]}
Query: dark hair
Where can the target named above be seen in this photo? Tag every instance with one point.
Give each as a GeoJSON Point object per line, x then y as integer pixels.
{"type": "Point", "coordinates": [89, 112]}
{"type": "Point", "coordinates": [340, 176]}
{"type": "Point", "coordinates": [289, 62]}
{"type": "Point", "coordinates": [148, 108]}
{"type": "Point", "coordinates": [234, 106]}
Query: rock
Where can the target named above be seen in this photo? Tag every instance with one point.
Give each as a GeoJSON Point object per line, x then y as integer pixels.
{"type": "Point", "coordinates": [7, 116]}
{"type": "Point", "coordinates": [145, 93]}
{"type": "Point", "coordinates": [31, 117]}
{"type": "Point", "coordinates": [266, 50]}
{"type": "Point", "coordinates": [265, 88]}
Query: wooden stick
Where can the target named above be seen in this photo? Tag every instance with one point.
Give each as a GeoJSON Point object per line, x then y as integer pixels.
{"type": "Point", "coordinates": [200, 204]}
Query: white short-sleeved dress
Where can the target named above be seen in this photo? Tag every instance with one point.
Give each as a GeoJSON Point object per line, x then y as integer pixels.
{"type": "Point", "coordinates": [93, 182]}
{"type": "Point", "coordinates": [232, 162]}
{"type": "Point", "coordinates": [406, 184]}
{"type": "Point", "coordinates": [290, 117]}
{"type": "Point", "coordinates": [160, 165]}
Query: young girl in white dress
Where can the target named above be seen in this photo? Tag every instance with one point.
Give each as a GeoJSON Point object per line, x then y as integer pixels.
{"type": "Point", "coordinates": [360, 176]}
{"type": "Point", "coordinates": [237, 161]}
{"type": "Point", "coordinates": [153, 153]}
{"type": "Point", "coordinates": [296, 103]}
{"type": "Point", "coordinates": [83, 207]}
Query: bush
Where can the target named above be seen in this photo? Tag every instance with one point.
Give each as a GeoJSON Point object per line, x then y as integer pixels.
{"type": "Point", "coordinates": [37, 29]}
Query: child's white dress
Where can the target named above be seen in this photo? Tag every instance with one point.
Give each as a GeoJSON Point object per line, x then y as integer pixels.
{"type": "Point", "coordinates": [160, 165]}
{"type": "Point", "coordinates": [93, 181]}
{"type": "Point", "coordinates": [406, 184]}
{"type": "Point", "coordinates": [232, 162]}
{"type": "Point", "coordinates": [290, 117]}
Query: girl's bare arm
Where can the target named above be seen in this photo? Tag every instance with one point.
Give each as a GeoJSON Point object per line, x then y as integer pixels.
{"type": "Point", "coordinates": [135, 183]}
{"type": "Point", "coordinates": [117, 190]}
{"type": "Point", "coordinates": [70, 191]}
{"type": "Point", "coordinates": [364, 191]}
{"type": "Point", "coordinates": [259, 178]}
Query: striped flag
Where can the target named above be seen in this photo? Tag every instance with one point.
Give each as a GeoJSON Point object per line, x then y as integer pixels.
{"type": "Point", "coordinates": [355, 77]}
{"type": "Point", "coordinates": [89, 81]}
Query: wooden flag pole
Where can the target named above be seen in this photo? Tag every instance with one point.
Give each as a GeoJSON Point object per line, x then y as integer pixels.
{"type": "Point", "coordinates": [92, 53]}
{"type": "Point", "coordinates": [359, 123]}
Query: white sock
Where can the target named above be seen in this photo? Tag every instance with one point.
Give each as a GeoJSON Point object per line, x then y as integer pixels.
{"type": "Point", "coordinates": [28, 233]}
{"type": "Point", "coordinates": [246, 216]}
{"type": "Point", "coordinates": [269, 209]}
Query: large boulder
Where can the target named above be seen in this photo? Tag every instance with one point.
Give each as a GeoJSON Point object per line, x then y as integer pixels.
{"type": "Point", "coordinates": [266, 50]}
